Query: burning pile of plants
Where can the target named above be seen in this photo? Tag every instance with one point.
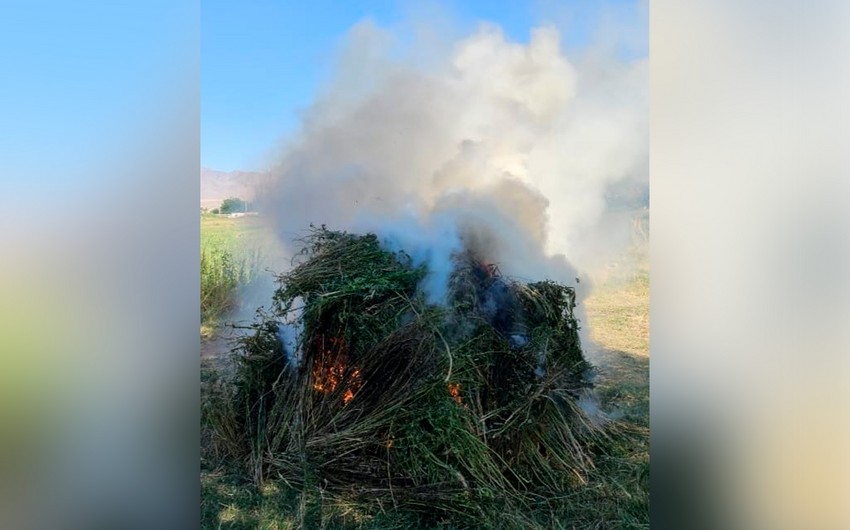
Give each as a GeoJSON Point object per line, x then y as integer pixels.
{"type": "Point", "coordinates": [384, 397]}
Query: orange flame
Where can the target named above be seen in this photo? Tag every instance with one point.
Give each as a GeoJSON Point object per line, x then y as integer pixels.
{"type": "Point", "coordinates": [329, 368]}
{"type": "Point", "coordinates": [491, 270]}
{"type": "Point", "coordinates": [454, 391]}
{"type": "Point", "coordinates": [327, 377]}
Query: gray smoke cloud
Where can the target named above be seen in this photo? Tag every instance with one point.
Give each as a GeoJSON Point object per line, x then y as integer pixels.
{"type": "Point", "coordinates": [507, 147]}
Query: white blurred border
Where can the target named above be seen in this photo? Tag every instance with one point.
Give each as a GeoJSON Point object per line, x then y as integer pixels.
{"type": "Point", "coordinates": [750, 298]}
{"type": "Point", "coordinates": [749, 191]}
{"type": "Point", "coordinates": [99, 281]}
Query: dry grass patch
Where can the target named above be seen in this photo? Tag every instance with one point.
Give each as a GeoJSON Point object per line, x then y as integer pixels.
{"type": "Point", "coordinates": [618, 314]}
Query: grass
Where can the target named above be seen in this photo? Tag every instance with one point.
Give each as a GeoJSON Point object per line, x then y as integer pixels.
{"type": "Point", "coordinates": [618, 311]}
{"type": "Point", "coordinates": [239, 234]}
{"type": "Point", "coordinates": [616, 495]}
{"type": "Point", "coordinates": [234, 252]}
{"type": "Point", "coordinates": [221, 276]}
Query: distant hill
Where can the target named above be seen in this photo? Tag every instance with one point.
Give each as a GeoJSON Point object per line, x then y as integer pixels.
{"type": "Point", "coordinates": [219, 185]}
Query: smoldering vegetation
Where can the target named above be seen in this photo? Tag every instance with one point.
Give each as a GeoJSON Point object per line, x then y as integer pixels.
{"type": "Point", "coordinates": [467, 411]}
{"type": "Point", "coordinates": [420, 362]}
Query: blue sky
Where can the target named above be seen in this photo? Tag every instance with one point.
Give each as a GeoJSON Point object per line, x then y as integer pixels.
{"type": "Point", "coordinates": [80, 78]}
{"type": "Point", "coordinates": [262, 61]}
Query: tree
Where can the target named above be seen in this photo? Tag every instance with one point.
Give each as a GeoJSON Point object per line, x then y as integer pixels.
{"type": "Point", "coordinates": [233, 204]}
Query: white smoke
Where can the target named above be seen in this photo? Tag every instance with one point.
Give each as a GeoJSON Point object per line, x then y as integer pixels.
{"type": "Point", "coordinates": [506, 146]}
{"type": "Point", "coordinates": [290, 330]}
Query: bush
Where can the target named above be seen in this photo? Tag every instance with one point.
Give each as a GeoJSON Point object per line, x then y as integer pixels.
{"type": "Point", "coordinates": [458, 411]}
{"type": "Point", "coordinates": [233, 204]}
{"type": "Point", "coordinates": [221, 276]}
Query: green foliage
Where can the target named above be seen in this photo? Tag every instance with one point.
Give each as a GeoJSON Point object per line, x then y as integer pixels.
{"type": "Point", "coordinates": [221, 277]}
{"type": "Point", "coordinates": [232, 205]}
{"type": "Point", "coordinates": [438, 413]}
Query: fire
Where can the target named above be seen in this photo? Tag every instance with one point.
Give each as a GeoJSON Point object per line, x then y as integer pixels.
{"type": "Point", "coordinates": [326, 378]}
{"type": "Point", "coordinates": [490, 270]}
{"type": "Point", "coordinates": [329, 368]}
{"type": "Point", "coordinates": [454, 391]}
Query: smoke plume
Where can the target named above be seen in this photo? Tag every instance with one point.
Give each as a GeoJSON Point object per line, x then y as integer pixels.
{"type": "Point", "coordinates": [508, 149]}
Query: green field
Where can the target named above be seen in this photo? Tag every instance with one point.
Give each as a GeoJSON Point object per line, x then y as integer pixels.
{"type": "Point", "coordinates": [234, 252]}
{"type": "Point", "coordinates": [238, 234]}
{"type": "Point", "coordinates": [619, 314]}
{"type": "Point", "coordinates": [617, 494]}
